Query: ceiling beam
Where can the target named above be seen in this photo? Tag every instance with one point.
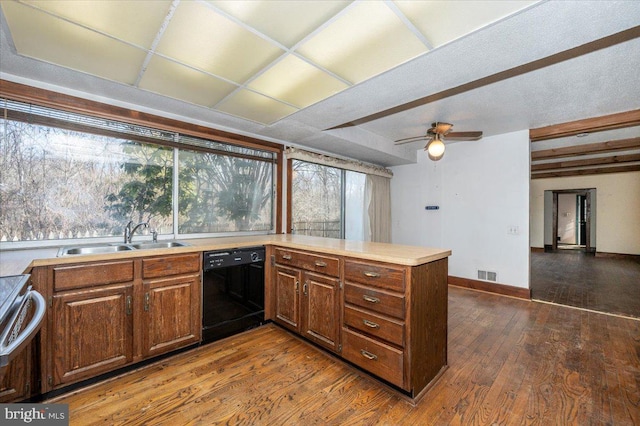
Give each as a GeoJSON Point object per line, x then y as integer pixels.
{"type": "Point", "coordinates": [614, 159]}
{"type": "Point", "coordinates": [585, 172]}
{"type": "Point", "coordinates": [588, 125]}
{"type": "Point", "coordinates": [586, 149]}
{"type": "Point", "coordinates": [592, 46]}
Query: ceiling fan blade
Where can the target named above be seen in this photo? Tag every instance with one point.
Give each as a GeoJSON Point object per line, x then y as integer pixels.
{"type": "Point", "coordinates": [464, 136]}
{"type": "Point", "coordinates": [411, 139]}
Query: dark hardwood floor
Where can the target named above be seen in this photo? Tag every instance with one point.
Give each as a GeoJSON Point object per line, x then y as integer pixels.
{"type": "Point", "coordinates": [511, 362]}
{"type": "Point", "coordinates": [573, 278]}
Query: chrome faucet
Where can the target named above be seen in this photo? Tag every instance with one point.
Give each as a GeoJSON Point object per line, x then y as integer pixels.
{"type": "Point", "coordinates": [128, 231]}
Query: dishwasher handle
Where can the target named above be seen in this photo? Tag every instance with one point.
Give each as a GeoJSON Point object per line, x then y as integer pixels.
{"type": "Point", "coordinates": [12, 340]}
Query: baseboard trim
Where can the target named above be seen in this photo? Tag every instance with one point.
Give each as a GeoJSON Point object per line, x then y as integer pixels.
{"type": "Point", "coordinates": [502, 289]}
{"type": "Point", "coordinates": [634, 257]}
{"type": "Point", "coordinates": [537, 250]}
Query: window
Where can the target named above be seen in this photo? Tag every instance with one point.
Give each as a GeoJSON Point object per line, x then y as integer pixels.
{"type": "Point", "coordinates": [67, 176]}
{"type": "Point", "coordinates": [221, 193]}
{"type": "Point", "coordinates": [326, 201]}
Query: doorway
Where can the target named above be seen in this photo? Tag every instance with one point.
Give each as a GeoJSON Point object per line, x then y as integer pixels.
{"type": "Point", "coordinates": [572, 225]}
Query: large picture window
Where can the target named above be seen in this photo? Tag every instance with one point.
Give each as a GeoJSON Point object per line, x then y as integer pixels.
{"type": "Point", "coordinates": [65, 176]}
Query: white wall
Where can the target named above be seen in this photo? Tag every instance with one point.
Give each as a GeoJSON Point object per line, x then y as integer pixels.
{"type": "Point", "coordinates": [567, 218]}
{"type": "Point", "coordinates": [617, 211]}
{"type": "Point", "coordinates": [482, 189]}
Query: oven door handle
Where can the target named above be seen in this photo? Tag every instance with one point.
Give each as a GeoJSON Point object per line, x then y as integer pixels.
{"type": "Point", "coordinates": [10, 349]}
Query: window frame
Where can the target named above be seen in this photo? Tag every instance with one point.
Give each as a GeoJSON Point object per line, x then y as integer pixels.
{"type": "Point", "coordinates": [41, 97]}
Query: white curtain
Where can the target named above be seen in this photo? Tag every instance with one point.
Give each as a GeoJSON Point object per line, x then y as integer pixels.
{"type": "Point", "coordinates": [377, 211]}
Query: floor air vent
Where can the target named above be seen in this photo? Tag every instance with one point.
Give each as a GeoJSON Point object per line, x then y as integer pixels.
{"type": "Point", "coordinates": [487, 276]}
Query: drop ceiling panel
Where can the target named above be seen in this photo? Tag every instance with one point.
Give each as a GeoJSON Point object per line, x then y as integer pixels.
{"type": "Point", "coordinates": [297, 82]}
{"type": "Point", "coordinates": [444, 21]}
{"type": "Point", "coordinates": [135, 22]}
{"type": "Point", "coordinates": [44, 37]}
{"type": "Point", "coordinates": [364, 41]}
{"type": "Point", "coordinates": [255, 107]}
{"type": "Point", "coordinates": [286, 22]}
{"type": "Point", "coordinates": [200, 37]}
{"type": "Point", "coordinates": [180, 82]}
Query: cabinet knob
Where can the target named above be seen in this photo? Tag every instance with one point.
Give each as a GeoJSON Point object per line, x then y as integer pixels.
{"type": "Point", "coordinates": [368, 355]}
{"type": "Point", "coordinates": [370, 324]}
{"type": "Point", "coordinates": [370, 299]}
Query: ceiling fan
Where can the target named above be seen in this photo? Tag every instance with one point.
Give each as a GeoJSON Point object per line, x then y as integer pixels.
{"type": "Point", "coordinates": [435, 138]}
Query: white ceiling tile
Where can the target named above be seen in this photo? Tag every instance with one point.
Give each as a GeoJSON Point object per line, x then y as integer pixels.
{"type": "Point", "coordinates": [41, 36]}
{"type": "Point", "coordinates": [180, 82]}
{"type": "Point", "coordinates": [297, 82]}
{"type": "Point", "coordinates": [135, 22]}
{"type": "Point", "coordinates": [364, 41]}
{"type": "Point", "coordinates": [200, 37]}
{"type": "Point", "coordinates": [442, 21]}
{"type": "Point", "coordinates": [255, 107]}
{"type": "Point", "coordinates": [287, 22]}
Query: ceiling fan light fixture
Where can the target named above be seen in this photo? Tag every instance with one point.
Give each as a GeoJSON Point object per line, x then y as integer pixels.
{"type": "Point", "coordinates": [435, 148]}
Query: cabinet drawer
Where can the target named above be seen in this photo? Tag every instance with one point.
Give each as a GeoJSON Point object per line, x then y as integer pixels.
{"type": "Point", "coordinates": [170, 265]}
{"type": "Point", "coordinates": [376, 275]}
{"type": "Point", "coordinates": [374, 325]}
{"type": "Point", "coordinates": [309, 261]}
{"type": "Point", "coordinates": [384, 361]}
{"type": "Point", "coordinates": [376, 300]}
{"type": "Point", "coordinates": [87, 275]}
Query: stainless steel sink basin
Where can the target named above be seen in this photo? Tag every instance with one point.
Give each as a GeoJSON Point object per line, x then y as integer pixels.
{"type": "Point", "coordinates": [115, 248]}
{"type": "Point", "coordinates": [93, 249]}
{"type": "Point", "coordinates": [159, 245]}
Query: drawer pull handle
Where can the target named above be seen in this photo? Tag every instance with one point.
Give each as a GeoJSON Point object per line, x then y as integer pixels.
{"type": "Point", "coordinates": [368, 355]}
{"type": "Point", "coordinates": [371, 299]}
{"type": "Point", "coordinates": [286, 256]}
{"type": "Point", "coordinates": [146, 302]}
{"type": "Point", "coordinates": [372, 274]}
{"type": "Point", "coordinates": [370, 324]}
{"type": "Point", "coordinates": [321, 264]}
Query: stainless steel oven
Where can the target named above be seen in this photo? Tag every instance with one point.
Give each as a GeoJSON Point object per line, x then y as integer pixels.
{"type": "Point", "coordinates": [22, 311]}
{"type": "Point", "coordinates": [232, 292]}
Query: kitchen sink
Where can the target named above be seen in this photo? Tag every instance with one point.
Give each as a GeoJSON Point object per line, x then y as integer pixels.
{"type": "Point", "coordinates": [115, 248]}
{"type": "Point", "coordinates": [166, 244]}
{"type": "Point", "coordinates": [93, 249]}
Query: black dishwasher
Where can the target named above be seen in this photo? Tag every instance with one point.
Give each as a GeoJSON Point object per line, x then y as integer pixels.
{"type": "Point", "coordinates": [232, 292]}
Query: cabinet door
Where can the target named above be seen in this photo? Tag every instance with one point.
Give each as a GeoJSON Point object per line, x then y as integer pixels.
{"type": "Point", "coordinates": [321, 310]}
{"type": "Point", "coordinates": [287, 297]}
{"type": "Point", "coordinates": [16, 384]}
{"type": "Point", "coordinates": [172, 314]}
{"type": "Point", "coordinates": [93, 332]}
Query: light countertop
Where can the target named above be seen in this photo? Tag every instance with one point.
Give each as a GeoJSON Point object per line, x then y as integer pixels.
{"type": "Point", "coordinates": [15, 262]}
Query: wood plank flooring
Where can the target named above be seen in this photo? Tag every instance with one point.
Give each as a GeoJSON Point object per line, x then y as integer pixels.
{"type": "Point", "coordinates": [573, 278]}
{"type": "Point", "coordinates": [511, 362]}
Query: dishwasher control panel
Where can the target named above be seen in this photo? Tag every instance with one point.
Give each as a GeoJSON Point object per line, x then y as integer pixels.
{"type": "Point", "coordinates": [224, 258]}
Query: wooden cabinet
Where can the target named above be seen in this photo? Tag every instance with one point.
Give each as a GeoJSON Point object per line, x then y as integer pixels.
{"type": "Point", "coordinates": [106, 315]}
{"type": "Point", "coordinates": [92, 332]}
{"type": "Point", "coordinates": [375, 315]}
{"type": "Point", "coordinates": [17, 383]}
{"type": "Point", "coordinates": [395, 321]}
{"type": "Point", "coordinates": [388, 319]}
{"type": "Point", "coordinates": [287, 295]}
{"type": "Point", "coordinates": [307, 291]}
{"type": "Point", "coordinates": [171, 303]}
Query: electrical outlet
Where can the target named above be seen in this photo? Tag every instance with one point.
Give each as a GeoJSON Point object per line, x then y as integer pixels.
{"type": "Point", "coordinates": [513, 230]}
